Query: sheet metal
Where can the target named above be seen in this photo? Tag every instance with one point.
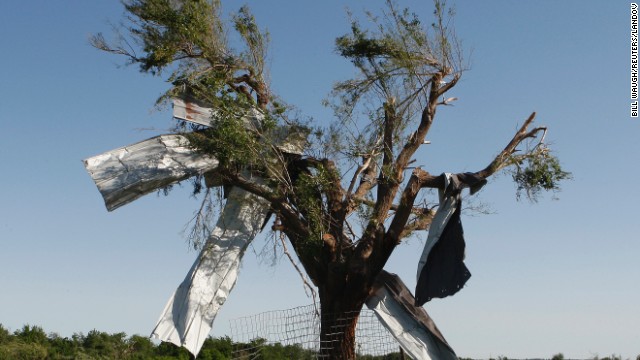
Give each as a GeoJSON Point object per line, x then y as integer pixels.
{"type": "Point", "coordinates": [290, 139]}
{"type": "Point", "coordinates": [191, 111]}
{"type": "Point", "coordinates": [188, 316]}
{"type": "Point", "coordinates": [410, 325]}
{"type": "Point", "coordinates": [125, 174]}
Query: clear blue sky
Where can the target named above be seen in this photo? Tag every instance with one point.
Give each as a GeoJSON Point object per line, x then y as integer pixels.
{"type": "Point", "coordinates": [557, 276]}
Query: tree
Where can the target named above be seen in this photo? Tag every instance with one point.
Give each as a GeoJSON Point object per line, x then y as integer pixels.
{"type": "Point", "coordinates": [101, 343]}
{"type": "Point", "coordinates": [31, 334]}
{"type": "Point", "coordinates": [383, 116]}
{"type": "Point", "coordinates": [5, 336]}
{"type": "Point", "coordinates": [558, 356]}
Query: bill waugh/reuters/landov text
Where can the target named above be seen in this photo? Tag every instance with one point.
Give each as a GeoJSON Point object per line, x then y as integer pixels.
{"type": "Point", "coordinates": [634, 59]}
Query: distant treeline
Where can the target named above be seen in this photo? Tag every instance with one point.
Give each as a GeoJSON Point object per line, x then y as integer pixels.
{"type": "Point", "coordinates": [33, 343]}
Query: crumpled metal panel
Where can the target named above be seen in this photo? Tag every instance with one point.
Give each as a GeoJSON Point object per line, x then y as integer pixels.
{"type": "Point", "coordinates": [188, 316]}
{"type": "Point", "coordinates": [410, 325]}
{"type": "Point", "coordinates": [125, 174]}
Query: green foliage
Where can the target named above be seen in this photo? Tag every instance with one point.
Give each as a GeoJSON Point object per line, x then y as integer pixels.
{"type": "Point", "coordinates": [392, 356]}
{"type": "Point", "coordinates": [170, 351]}
{"type": "Point", "coordinates": [62, 348]}
{"type": "Point", "coordinates": [166, 28]}
{"type": "Point", "coordinates": [538, 170]}
{"type": "Point", "coordinates": [256, 41]}
{"type": "Point", "coordinates": [229, 140]}
{"type": "Point", "coordinates": [308, 190]}
{"type": "Point", "coordinates": [4, 335]}
{"type": "Point", "coordinates": [32, 343]}
{"type": "Point", "coordinates": [100, 344]}
{"type": "Point", "coordinates": [140, 347]}
{"type": "Point", "coordinates": [31, 334]}
{"type": "Point", "coordinates": [358, 47]}
{"type": "Point", "coordinates": [189, 39]}
{"type": "Point", "coordinates": [19, 350]}
{"type": "Point", "coordinates": [216, 349]}
{"type": "Point", "coordinates": [279, 351]}
{"type": "Point", "coordinates": [311, 192]}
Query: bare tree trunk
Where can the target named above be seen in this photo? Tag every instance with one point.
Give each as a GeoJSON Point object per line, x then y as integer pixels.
{"type": "Point", "coordinates": [338, 319]}
{"type": "Point", "coordinates": [338, 335]}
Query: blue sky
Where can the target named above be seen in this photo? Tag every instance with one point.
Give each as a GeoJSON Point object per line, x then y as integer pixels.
{"type": "Point", "coordinates": [556, 276]}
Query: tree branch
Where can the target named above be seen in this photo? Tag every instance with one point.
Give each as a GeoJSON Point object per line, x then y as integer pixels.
{"type": "Point", "coordinates": [393, 235]}
{"type": "Point", "coordinates": [428, 114]}
{"type": "Point", "coordinates": [367, 182]}
{"type": "Point", "coordinates": [295, 266]}
{"type": "Point", "coordinates": [361, 168]}
{"type": "Point", "coordinates": [499, 162]}
{"type": "Point", "coordinates": [388, 190]}
{"type": "Point", "coordinates": [289, 216]}
{"type": "Point", "coordinates": [421, 222]}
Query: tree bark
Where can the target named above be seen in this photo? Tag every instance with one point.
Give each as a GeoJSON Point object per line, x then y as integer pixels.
{"type": "Point", "coordinates": [338, 319]}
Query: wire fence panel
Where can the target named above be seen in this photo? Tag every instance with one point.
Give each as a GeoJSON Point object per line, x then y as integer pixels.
{"type": "Point", "coordinates": [295, 334]}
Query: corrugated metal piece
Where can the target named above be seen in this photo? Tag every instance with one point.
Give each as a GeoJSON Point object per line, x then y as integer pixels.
{"type": "Point", "coordinates": [410, 325]}
{"type": "Point", "coordinates": [125, 174]}
{"type": "Point", "coordinates": [188, 316]}
{"type": "Point", "coordinates": [192, 112]}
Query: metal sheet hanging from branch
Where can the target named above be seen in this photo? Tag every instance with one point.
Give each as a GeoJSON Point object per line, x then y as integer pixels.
{"type": "Point", "coordinates": [127, 173]}
{"type": "Point", "coordinates": [188, 316]}
{"type": "Point", "coordinates": [410, 325]}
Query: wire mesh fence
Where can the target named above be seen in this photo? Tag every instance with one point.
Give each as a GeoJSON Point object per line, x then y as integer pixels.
{"type": "Point", "coordinates": [295, 334]}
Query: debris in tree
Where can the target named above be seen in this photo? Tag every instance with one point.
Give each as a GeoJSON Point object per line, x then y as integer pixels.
{"type": "Point", "coordinates": [441, 269]}
{"type": "Point", "coordinates": [188, 316]}
{"type": "Point", "coordinates": [127, 173]}
{"type": "Point", "coordinates": [410, 325]}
